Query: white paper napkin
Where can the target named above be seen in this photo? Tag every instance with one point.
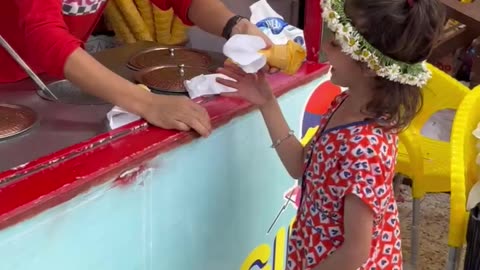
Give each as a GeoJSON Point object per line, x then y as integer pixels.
{"type": "Point", "coordinates": [118, 117]}
{"type": "Point", "coordinates": [205, 85]}
{"type": "Point", "coordinates": [243, 50]}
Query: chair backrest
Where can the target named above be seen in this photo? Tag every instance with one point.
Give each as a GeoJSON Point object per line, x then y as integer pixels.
{"type": "Point", "coordinates": [464, 170]}
{"type": "Point", "coordinates": [441, 92]}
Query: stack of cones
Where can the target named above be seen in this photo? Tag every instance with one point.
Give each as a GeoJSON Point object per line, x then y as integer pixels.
{"type": "Point", "coordinates": [140, 20]}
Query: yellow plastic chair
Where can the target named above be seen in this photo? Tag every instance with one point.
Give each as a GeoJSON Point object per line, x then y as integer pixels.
{"type": "Point", "coordinates": [427, 161]}
{"type": "Point", "coordinates": [463, 172]}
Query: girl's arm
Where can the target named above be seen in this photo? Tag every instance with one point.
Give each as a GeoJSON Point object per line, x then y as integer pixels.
{"type": "Point", "coordinates": [255, 89]}
{"type": "Point", "coordinates": [290, 150]}
{"type": "Point", "coordinates": [358, 224]}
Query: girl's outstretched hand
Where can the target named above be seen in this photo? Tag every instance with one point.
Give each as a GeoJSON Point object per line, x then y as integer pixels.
{"type": "Point", "coordinates": [251, 87]}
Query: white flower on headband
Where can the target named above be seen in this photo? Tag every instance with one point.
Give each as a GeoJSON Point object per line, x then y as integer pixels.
{"type": "Point", "coordinates": [345, 30]}
{"type": "Point", "coordinates": [354, 44]}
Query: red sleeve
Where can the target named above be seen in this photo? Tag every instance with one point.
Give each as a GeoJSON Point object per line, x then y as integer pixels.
{"type": "Point", "coordinates": [47, 40]}
{"type": "Point", "coordinates": [180, 7]}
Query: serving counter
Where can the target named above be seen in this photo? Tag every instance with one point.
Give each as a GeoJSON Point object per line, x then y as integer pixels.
{"type": "Point", "coordinates": [76, 195]}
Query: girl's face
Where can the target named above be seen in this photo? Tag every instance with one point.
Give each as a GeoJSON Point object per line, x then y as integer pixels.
{"type": "Point", "coordinates": [345, 71]}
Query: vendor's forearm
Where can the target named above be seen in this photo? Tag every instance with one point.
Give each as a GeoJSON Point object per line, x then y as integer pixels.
{"type": "Point", "coordinates": [290, 149]}
{"type": "Point", "coordinates": [92, 77]}
{"type": "Point", "coordinates": [209, 15]}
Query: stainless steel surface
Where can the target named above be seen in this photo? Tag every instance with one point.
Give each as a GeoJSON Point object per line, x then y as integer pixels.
{"type": "Point", "coordinates": [15, 119]}
{"type": "Point", "coordinates": [61, 125]}
{"type": "Point", "coordinates": [67, 92]}
{"type": "Point", "coordinates": [24, 65]}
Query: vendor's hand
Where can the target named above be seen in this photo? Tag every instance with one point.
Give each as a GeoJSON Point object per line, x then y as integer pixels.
{"type": "Point", "coordinates": [245, 27]}
{"type": "Point", "coordinates": [251, 87]}
{"type": "Point", "coordinates": [177, 112]}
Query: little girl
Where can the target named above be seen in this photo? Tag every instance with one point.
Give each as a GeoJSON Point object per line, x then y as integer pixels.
{"type": "Point", "coordinates": [348, 217]}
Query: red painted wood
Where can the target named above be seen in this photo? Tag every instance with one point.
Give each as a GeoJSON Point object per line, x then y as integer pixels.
{"type": "Point", "coordinates": [56, 178]}
{"type": "Point", "coordinates": [313, 29]}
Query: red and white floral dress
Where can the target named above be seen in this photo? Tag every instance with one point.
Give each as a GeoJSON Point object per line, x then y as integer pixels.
{"type": "Point", "coordinates": [355, 159]}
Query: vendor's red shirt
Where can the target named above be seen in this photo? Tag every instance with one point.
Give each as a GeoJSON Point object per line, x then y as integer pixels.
{"type": "Point", "coordinates": [45, 32]}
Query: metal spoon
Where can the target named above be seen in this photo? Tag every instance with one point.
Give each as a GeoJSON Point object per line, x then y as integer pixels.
{"type": "Point", "coordinates": [25, 67]}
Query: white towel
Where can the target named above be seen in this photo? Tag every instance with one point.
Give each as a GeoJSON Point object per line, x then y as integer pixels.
{"type": "Point", "coordinates": [118, 117]}
{"type": "Point", "coordinates": [206, 85]}
{"type": "Point", "coordinates": [244, 51]}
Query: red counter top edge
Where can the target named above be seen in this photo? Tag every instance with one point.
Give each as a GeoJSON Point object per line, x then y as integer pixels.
{"type": "Point", "coordinates": [30, 189]}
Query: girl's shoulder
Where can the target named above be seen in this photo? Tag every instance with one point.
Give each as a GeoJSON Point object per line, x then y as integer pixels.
{"type": "Point", "coordinates": [370, 133]}
{"type": "Point", "coordinates": [371, 142]}
{"type": "Point", "coordinates": [367, 135]}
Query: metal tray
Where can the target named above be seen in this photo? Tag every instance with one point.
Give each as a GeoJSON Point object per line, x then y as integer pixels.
{"type": "Point", "coordinates": [68, 93]}
{"type": "Point", "coordinates": [162, 56]}
{"type": "Point", "coordinates": [169, 79]}
{"type": "Point", "coordinates": [15, 119]}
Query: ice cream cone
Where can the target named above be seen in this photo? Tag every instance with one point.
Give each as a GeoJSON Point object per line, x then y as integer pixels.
{"type": "Point", "coordinates": [288, 58]}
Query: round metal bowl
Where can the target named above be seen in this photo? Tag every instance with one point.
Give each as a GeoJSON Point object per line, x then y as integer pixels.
{"type": "Point", "coordinates": [15, 119]}
{"type": "Point", "coordinates": [169, 79]}
{"type": "Point", "coordinates": [66, 92]}
{"type": "Point", "coordinates": [161, 56]}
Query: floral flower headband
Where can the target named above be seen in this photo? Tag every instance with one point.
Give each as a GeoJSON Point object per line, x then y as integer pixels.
{"type": "Point", "coordinates": [355, 45]}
